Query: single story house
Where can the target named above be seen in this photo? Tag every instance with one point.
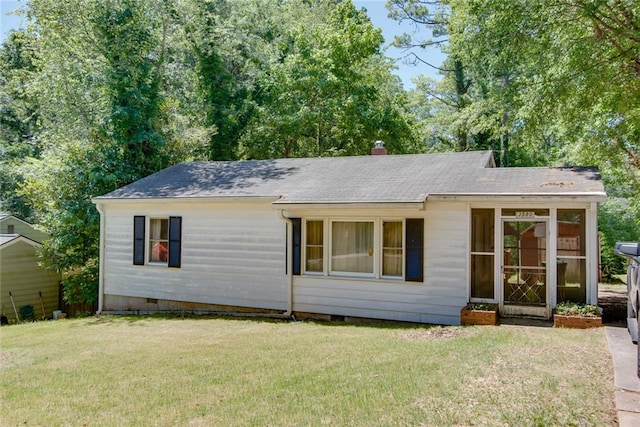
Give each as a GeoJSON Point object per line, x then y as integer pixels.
{"type": "Point", "coordinates": [21, 273]}
{"type": "Point", "coordinates": [397, 237]}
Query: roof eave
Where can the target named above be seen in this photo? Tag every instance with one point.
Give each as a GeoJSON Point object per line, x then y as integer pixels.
{"type": "Point", "coordinates": [567, 196]}
{"type": "Point", "coordinates": [184, 199]}
{"type": "Point", "coordinates": [405, 205]}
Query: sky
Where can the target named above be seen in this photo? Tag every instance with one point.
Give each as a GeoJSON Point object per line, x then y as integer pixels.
{"type": "Point", "coordinates": [375, 8]}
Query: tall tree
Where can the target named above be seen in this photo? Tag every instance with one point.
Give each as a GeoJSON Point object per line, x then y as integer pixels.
{"type": "Point", "coordinates": [19, 112]}
{"type": "Point", "coordinates": [100, 72]}
{"type": "Point", "coordinates": [328, 90]}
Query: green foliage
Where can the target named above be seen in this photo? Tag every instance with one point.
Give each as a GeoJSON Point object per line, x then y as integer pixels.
{"type": "Point", "coordinates": [327, 91]}
{"type": "Point", "coordinates": [481, 306]}
{"type": "Point", "coordinates": [617, 222]}
{"type": "Point", "coordinates": [568, 308]}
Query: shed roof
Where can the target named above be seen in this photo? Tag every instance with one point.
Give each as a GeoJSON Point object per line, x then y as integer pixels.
{"type": "Point", "coordinates": [8, 239]}
{"type": "Point", "coordinates": [364, 179]}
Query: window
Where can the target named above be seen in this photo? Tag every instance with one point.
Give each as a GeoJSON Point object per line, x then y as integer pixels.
{"type": "Point", "coordinates": [482, 253]}
{"type": "Point", "coordinates": [11, 229]}
{"type": "Point", "coordinates": [164, 240]}
{"type": "Point", "coordinates": [352, 246]}
{"type": "Point", "coordinates": [378, 248]}
{"type": "Point", "coordinates": [158, 240]}
{"type": "Point", "coordinates": [392, 248]}
{"type": "Point", "coordinates": [314, 246]}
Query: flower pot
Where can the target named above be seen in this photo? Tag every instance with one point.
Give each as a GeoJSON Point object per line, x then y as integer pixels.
{"type": "Point", "coordinates": [576, 322]}
{"type": "Point", "coordinates": [478, 317]}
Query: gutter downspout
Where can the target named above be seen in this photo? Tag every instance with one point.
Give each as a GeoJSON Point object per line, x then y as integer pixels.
{"type": "Point", "coordinates": [289, 311]}
{"type": "Point", "coordinates": [100, 209]}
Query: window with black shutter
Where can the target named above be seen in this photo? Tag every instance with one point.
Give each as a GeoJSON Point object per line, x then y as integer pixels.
{"type": "Point", "coordinates": [415, 250]}
{"type": "Point", "coordinates": [175, 241]}
{"type": "Point", "coordinates": [296, 245]}
{"type": "Point", "coordinates": [138, 240]}
{"type": "Point", "coordinates": [163, 238]}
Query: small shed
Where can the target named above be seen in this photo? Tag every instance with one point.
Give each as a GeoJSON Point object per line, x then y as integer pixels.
{"type": "Point", "coordinates": [21, 273]}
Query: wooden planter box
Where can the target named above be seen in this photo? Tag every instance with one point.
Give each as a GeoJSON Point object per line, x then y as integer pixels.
{"type": "Point", "coordinates": [478, 317]}
{"type": "Point", "coordinates": [576, 322]}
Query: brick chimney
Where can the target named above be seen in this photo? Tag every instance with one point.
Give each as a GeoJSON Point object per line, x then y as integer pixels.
{"type": "Point", "coordinates": [378, 149]}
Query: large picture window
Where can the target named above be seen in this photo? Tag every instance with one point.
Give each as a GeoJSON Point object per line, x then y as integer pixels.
{"type": "Point", "coordinates": [352, 246]}
{"type": "Point", "coordinates": [378, 248]}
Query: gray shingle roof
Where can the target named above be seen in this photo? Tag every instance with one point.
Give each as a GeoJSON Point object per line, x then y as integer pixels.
{"type": "Point", "coordinates": [364, 179]}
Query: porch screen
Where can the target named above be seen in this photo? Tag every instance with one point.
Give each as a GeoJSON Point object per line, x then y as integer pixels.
{"type": "Point", "coordinates": [572, 259]}
{"type": "Point", "coordinates": [482, 253]}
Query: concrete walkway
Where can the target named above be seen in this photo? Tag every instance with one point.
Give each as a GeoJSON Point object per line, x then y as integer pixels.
{"type": "Point", "coordinates": [627, 383]}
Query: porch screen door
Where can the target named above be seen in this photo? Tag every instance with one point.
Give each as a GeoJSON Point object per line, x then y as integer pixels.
{"type": "Point", "coordinates": [524, 271]}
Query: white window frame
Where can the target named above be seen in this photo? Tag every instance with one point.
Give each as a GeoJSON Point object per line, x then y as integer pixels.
{"type": "Point", "coordinates": [148, 241]}
{"type": "Point", "coordinates": [303, 260]}
{"type": "Point", "coordinates": [327, 243]}
{"type": "Point", "coordinates": [403, 248]}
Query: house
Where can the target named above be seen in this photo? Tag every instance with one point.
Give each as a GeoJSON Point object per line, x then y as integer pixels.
{"type": "Point", "coordinates": [21, 273]}
{"type": "Point", "coordinates": [398, 237]}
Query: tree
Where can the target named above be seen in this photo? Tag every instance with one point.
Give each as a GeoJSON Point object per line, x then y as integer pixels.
{"type": "Point", "coordinates": [328, 90]}
{"type": "Point", "coordinates": [99, 78]}
{"type": "Point", "coordinates": [19, 112]}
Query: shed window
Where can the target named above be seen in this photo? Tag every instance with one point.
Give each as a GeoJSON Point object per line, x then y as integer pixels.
{"type": "Point", "coordinates": [11, 229]}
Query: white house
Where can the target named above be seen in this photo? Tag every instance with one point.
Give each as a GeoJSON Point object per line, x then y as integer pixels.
{"type": "Point", "coordinates": [397, 237]}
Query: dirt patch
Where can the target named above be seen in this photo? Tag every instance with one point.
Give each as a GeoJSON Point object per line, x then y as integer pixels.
{"type": "Point", "coordinates": [434, 333]}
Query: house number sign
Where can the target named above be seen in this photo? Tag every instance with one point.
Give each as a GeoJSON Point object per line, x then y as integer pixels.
{"type": "Point", "coordinates": [526, 214]}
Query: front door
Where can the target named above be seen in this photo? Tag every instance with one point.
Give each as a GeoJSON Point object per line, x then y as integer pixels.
{"type": "Point", "coordinates": [524, 268]}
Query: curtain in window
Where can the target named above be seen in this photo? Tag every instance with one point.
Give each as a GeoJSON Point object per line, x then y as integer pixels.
{"type": "Point", "coordinates": [158, 239]}
{"type": "Point", "coordinates": [352, 247]}
{"type": "Point", "coordinates": [314, 246]}
{"type": "Point", "coordinates": [392, 249]}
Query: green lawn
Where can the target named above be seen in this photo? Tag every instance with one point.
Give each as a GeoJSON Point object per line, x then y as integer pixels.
{"type": "Point", "coordinates": [162, 371]}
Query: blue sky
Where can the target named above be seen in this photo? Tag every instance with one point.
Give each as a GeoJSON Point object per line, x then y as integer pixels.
{"type": "Point", "coordinates": [375, 8]}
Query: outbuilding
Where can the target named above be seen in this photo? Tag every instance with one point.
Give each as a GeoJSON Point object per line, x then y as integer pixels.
{"type": "Point", "coordinates": [32, 287]}
{"type": "Point", "coordinates": [396, 237]}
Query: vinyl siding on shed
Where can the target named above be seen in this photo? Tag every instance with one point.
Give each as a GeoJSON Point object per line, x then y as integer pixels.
{"type": "Point", "coordinates": [22, 228]}
{"type": "Point", "coordinates": [21, 275]}
{"type": "Point", "coordinates": [232, 254]}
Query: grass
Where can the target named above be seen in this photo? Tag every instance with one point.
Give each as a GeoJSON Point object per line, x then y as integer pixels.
{"type": "Point", "coordinates": [200, 372]}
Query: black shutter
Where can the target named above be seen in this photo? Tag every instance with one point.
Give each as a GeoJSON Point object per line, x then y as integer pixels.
{"type": "Point", "coordinates": [414, 259]}
{"type": "Point", "coordinates": [175, 241]}
{"type": "Point", "coordinates": [296, 245]}
{"type": "Point", "coordinates": [138, 240]}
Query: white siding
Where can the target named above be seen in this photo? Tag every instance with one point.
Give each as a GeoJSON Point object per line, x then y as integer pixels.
{"type": "Point", "coordinates": [231, 255]}
{"type": "Point", "coordinates": [437, 300]}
